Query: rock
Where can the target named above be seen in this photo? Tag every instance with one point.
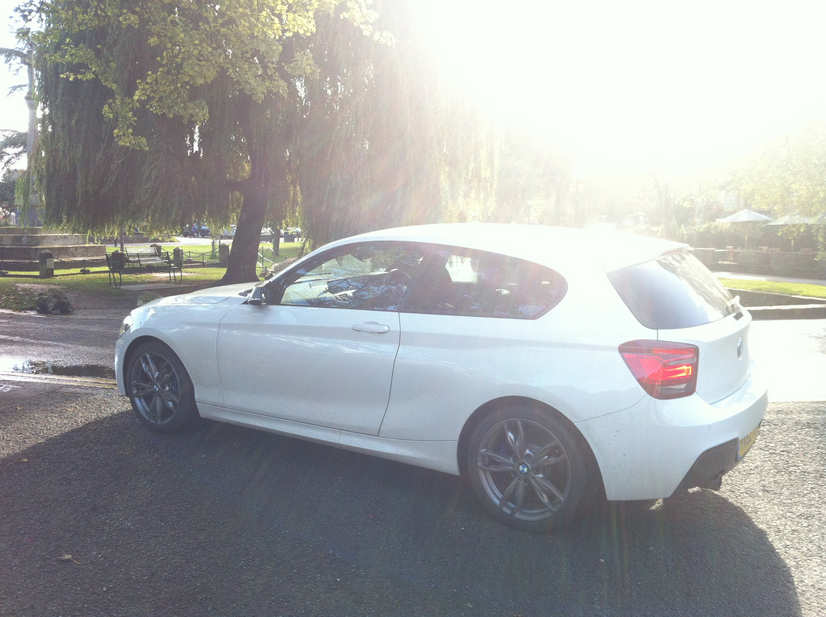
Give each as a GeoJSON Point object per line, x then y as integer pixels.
{"type": "Point", "coordinates": [53, 301]}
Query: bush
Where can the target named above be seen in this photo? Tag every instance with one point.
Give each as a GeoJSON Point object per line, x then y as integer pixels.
{"type": "Point", "coordinates": [712, 235]}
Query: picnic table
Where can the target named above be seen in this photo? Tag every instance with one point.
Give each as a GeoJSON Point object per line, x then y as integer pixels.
{"type": "Point", "coordinates": [143, 262]}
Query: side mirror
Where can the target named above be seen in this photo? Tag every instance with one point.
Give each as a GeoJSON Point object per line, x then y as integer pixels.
{"type": "Point", "coordinates": [257, 296]}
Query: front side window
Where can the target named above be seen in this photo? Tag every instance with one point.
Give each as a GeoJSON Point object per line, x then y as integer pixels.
{"type": "Point", "coordinates": [481, 284]}
{"type": "Point", "coordinates": [367, 276]}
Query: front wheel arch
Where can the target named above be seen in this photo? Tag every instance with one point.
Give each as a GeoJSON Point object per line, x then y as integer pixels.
{"type": "Point", "coordinates": [165, 399]}
{"type": "Point", "coordinates": [133, 345]}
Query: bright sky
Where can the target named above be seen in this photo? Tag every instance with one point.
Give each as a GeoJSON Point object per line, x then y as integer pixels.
{"type": "Point", "coordinates": [13, 110]}
{"type": "Point", "coordinates": [633, 84]}
{"type": "Point", "coordinates": [646, 84]}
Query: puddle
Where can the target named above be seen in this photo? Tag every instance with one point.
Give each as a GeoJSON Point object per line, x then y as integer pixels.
{"type": "Point", "coordinates": [47, 368]}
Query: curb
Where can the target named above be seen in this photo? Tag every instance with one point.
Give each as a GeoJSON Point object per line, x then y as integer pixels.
{"type": "Point", "coordinates": [766, 305]}
{"type": "Point", "coordinates": [793, 311]}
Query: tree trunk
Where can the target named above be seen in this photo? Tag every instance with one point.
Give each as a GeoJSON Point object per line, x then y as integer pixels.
{"type": "Point", "coordinates": [255, 190]}
{"type": "Point", "coordinates": [244, 250]}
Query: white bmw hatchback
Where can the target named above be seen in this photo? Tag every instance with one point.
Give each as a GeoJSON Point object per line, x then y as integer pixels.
{"type": "Point", "coordinates": [549, 365]}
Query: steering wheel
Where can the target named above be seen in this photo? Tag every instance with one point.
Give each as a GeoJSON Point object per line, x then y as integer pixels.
{"type": "Point", "coordinates": [399, 277]}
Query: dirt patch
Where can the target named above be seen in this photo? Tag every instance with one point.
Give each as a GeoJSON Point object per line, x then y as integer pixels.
{"type": "Point", "coordinates": [88, 300]}
{"type": "Point", "coordinates": [124, 298]}
{"type": "Point", "coordinates": [22, 297]}
{"type": "Point", "coordinates": [34, 287]}
{"type": "Point", "coordinates": [35, 296]}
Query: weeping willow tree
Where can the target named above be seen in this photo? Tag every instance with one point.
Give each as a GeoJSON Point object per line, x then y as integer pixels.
{"type": "Point", "coordinates": [161, 113]}
{"type": "Point", "coordinates": [157, 111]}
{"type": "Point", "coordinates": [382, 140]}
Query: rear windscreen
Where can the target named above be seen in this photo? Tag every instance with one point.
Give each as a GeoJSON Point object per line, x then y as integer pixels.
{"type": "Point", "coordinates": [672, 291]}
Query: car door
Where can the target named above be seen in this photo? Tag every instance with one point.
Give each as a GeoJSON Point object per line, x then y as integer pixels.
{"type": "Point", "coordinates": [471, 336]}
{"type": "Point", "coordinates": [321, 349]}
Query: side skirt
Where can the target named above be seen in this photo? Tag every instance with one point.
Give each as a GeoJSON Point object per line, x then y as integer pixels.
{"type": "Point", "coordinates": [436, 455]}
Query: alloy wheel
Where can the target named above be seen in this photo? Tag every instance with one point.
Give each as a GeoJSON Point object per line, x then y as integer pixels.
{"type": "Point", "coordinates": [155, 388]}
{"type": "Point", "coordinates": [523, 469]}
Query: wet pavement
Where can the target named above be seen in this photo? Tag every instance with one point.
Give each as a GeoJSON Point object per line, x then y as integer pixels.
{"type": "Point", "coordinates": [85, 338]}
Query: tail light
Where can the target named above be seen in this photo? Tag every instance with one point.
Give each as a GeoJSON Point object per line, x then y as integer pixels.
{"type": "Point", "coordinates": [664, 370]}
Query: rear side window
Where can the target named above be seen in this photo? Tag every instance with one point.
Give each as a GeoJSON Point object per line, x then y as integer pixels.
{"type": "Point", "coordinates": [672, 291]}
{"type": "Point", "coordinates": [481, 284]}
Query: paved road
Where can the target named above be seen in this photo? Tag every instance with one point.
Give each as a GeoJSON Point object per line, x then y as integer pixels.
{"type": "Point", "coordinates": [792, 354]}
{"type": "Point", "coordinates": [230, 521]}
{"type": "Point", "coordinates": [84, 338]}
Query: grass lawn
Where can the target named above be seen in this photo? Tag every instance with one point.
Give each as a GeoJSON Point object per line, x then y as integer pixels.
{"type": "Point", "coordinates": [20, 294]}
{"type": "Point", "coordinates": [791, 289]}
{"type": "Point", "coordinates": [286, 249]}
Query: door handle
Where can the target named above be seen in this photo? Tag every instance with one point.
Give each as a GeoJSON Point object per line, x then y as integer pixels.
{"type": "Point", "coordinates": [371, 327]}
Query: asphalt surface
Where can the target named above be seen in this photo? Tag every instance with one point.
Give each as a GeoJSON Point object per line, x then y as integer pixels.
{"type": "Point", "coordinates": [229, 521]}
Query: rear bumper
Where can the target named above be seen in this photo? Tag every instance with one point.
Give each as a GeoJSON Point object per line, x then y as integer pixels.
{"type": "Point", "coordinates": [656, 447]}
{"type": "Point", "coordinates": [709, 468]}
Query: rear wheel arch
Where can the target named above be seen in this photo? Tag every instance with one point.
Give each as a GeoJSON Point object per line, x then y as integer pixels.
{"type": "Point", "coordinates": [500, 403]}
{"type": "Point", "coordinates": [528, 464]}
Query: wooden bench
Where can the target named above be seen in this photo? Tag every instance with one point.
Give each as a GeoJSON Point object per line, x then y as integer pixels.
{"type": "Point", "coordinates": [142, 262]}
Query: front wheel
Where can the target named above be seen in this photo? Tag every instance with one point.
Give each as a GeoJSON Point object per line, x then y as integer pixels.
{"type": "Point", "coordinates": [160, 389]}
{"type": "Point", "coordinates": [527, 467]}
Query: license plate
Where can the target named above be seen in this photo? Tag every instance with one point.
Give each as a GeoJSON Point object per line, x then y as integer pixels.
{"type": "Point", "coordinates": [747, 442]}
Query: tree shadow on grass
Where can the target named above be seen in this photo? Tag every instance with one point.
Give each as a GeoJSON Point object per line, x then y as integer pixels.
{"type": "Point", "coordinates": [226, 520]}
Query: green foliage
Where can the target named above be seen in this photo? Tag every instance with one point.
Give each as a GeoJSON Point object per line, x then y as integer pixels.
{"type": "Point", "coordinates": [381, 141]}
{"type": "Point", "coordinates": [7, 187]}
{"type": "Point", "coordinates": [321, 112]}
{"type": "Point", "coordinates": [151, 107]}
{"type": "Point", "coordinates": [788, 176]}
{"type": "Point", "coordinates": [12, 148]}
{"type": "Point", "coordinates": [528, 175]}
{"type": "Point", "coordinates": [713, 235]}
{"type": "Point", "coordinates": [175, 49]}
{"type": "Point", "coordinates": [15, 297]}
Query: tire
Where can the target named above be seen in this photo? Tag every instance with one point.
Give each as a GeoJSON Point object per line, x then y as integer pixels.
{"type": "Point", "coordinates": [528, 468]}
{"type": "Point", "coordinates": [160, 389]}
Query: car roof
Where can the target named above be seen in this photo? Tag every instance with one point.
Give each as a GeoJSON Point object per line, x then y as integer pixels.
{"type": "Point", "coordinates": [550, 246]}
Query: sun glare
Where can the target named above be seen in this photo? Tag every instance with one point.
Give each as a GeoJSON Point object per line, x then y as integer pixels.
{"type": "Point", "coordinates": [637, 84]}
{"type": "Point", "coordinates": [633, 85]}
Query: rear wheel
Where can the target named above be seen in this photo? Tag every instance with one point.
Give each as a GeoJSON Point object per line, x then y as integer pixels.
{"type": "Point", "coordinates": [527, 467]}
{"type": "Point", "coordinates": [160, 389]}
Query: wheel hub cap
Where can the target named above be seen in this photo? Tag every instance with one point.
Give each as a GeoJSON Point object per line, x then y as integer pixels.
{"type": "Point", "coordinates": [523, 469]}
